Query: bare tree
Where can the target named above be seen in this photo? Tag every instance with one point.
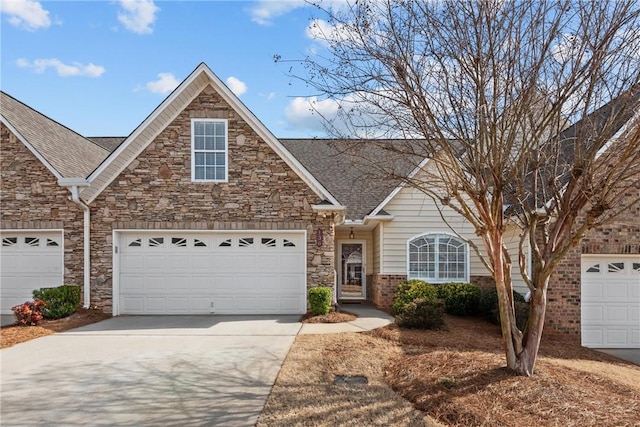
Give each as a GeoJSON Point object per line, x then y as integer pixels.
{"type": "Point", "coordinates": [485, 90]}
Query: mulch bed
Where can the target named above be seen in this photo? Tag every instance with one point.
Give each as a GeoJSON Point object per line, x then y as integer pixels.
{"type": "Point", "coordinates": [459, 377]}
{"type": "Point", "coordinates": [331, 317]}
{"type": "Point", "coordinates": [14, 334]}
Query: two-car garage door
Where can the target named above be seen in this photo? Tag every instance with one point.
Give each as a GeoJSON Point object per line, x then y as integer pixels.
{"type": "Point", "coordinates": [610, 301]}
{"type": "Point", "coordinates": [211, 272]}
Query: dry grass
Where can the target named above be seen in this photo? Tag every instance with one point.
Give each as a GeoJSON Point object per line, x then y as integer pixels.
{"type": "Point", "coordinates": [456, 376]}
{"type": "Point", "coordinates": [304, 393]}
{"type": "Point", "coordinates": [13, 334]}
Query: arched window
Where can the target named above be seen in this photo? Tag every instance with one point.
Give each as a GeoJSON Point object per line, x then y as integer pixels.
{"type": "Point", "coordinates": [438, 258]}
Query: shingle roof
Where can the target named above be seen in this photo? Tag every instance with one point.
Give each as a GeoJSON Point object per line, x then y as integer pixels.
{"type": "Point", "coordinates": [109, 143]}
{"type": "Point", "coordinates": [70, 154]}
{"type": "Point", "coordinates": [351, 174]}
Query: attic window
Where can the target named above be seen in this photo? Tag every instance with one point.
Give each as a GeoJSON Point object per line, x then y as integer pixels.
{"type": "Point", "coordinates": [209, 156]}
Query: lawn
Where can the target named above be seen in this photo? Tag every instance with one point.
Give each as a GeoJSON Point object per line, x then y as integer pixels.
{"type": "Point", "coordinates": [454, 377]}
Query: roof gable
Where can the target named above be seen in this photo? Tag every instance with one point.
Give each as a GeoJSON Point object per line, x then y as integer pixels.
{"type": "Point", "coordinates": [167, 111]}
{"type": "Point", "coordinates": [64, 152]}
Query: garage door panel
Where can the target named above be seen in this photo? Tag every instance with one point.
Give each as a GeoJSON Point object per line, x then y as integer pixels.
{"type": "Point", "coordinates": [616, 290]}
{"type": "Point", "coordinates": [292, 262]}
{"type": "Point", "coordinates": [132, 304]}
{"type": "Point", "coordinates": [157, 262]}
{"type": "Point", "coordinates": [616, 313]}
{"type": "Point", "coordinates": [241, 273]}
{"type": "Point", "coordinates": [592, 291]}
{"type": "Point", "coordinates": [224, 263]}
{"type": "Point", "coordinates": [610, 301]}
{"type": "Point", "coordinates": [132, 262]}
{"type": "Point", "coordinates": [593, 315]}
{"type": "Point", "coordinates": [223, 304]}
{"type": "Point", "coordinates": [616, 337]}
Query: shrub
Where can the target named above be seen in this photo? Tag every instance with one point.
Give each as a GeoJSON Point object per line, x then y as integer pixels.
{"type": "Point", "coordinates": [460, 299]}
{"type": "Point", "coordinates": [410, 290]}
{"type": "Point", "coordinates": [320, 300]}
{"type": "Point", "coordinates": [59, 302]}
{"type": "Point", "coordinates": [29, 313]}
{"type": "Point", "coordinates": [489, 307]}
{"type": "Point", "coordinates": [422, 313]}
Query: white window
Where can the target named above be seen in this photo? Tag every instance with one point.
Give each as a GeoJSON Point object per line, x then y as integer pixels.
{"type": "Point", "coordinates": [209, 150]}
{"type": "Point", "coordinates": [438, 258]}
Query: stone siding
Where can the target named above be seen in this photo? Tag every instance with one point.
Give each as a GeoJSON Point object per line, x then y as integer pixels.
{"type": "Point", "coordinates": [31, 199]}
{"type": "Point", "coordinates": [155, 192]}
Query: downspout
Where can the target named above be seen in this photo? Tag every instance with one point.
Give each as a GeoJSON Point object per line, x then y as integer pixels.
{"type": "Point", "coordinates": [73, 185]}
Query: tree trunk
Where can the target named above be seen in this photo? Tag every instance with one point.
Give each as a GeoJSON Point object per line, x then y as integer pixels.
{"type": "Point", "coordinates": [526, 360]}
{"type": "Point", "coordinates": [505, 301]}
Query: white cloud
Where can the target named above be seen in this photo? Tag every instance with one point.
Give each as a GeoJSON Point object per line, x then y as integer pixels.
{"type": "Point", "coordinates": [138, 15]}
{"type": "Point", "coordinates": [27, 14]}
{"type": "Point", "coordinates": [265, 11]}
{"type": "Point", "coordinates": [323, 32]}
{"type": "Point", "coordinates": [236, 85]}
{"type": "Point", "coordinates": [166, 83]}
{"type": "Point", "coordinates": [310, 114]}
{"type": "Point", "coordinates": [74, 69]}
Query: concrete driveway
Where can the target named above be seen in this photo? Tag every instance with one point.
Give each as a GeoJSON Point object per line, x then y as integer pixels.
{"type": "Point", "coordinates": [147, 371]}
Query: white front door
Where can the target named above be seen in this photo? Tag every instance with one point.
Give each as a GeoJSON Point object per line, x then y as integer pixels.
{"type": "Point", "coordinates": [212, 272]}
{"type": "Point", "coordinates": [29, 260]}
{"type": "Point", "coordinates": [610, 301]}
{"type": "Point", "coordinates": [352, 270]}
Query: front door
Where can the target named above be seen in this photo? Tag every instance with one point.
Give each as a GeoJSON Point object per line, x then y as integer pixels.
{"type": "Point", "coordinates": [352, 271]}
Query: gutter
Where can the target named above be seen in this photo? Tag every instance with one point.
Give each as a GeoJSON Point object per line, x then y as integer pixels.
{"type": "Point", "coordinates": [73, 185]}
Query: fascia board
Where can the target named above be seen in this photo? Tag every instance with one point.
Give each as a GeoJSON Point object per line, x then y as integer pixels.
{"type": "Point", "coordinates": [238, 106]}
{"type": "Point", "coordinates": [396, 190]}
{"type": "Point", "coordinates": [31, 148]}
{"type": "Point", "coordinates": [141, 128]}
{"type": "Point", "coordinates": [270, 139]}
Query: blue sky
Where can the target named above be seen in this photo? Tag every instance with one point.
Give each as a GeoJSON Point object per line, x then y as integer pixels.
{"type": "Point", "coordinates": [100, 67]}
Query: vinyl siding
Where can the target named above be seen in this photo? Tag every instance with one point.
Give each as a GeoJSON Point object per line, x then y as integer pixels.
{"type": "Point", "coordinates": [414, 214]}
{"type": "Point", "coordinates": [376, 248]}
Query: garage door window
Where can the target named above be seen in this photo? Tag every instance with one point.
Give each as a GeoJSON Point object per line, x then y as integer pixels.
{"type": "Point", "coordinates": [9, 241]}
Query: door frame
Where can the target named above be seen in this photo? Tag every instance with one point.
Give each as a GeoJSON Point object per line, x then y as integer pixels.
{"type": "Point", "coordinates": [364, 268]}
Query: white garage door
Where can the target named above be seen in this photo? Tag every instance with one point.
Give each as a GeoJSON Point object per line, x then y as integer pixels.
{"type": "Point", "coordinates": [29, 260]}
{"type": "Point", "coordinates": [214, 272]}
{"type": "Point", "coordinates": [611, 301]}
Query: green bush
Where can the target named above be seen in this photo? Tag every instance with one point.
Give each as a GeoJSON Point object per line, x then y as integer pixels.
{"type": "Point", "coordinates": [410, 290]}
{"type": "Point", "coordinates": [489, 307]}
{"type": "Point", "coordinates": [422, 313]}
{"type": "Point", "coordinates": [460, 299]}
{"type": "Point", "coordinates": [59, 302]}
{"type": "Point", "coordinates": [320, 300]}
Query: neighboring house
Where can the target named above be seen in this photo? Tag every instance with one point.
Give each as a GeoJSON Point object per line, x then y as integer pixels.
{"type": "Point", "coordinates": [202, 210]}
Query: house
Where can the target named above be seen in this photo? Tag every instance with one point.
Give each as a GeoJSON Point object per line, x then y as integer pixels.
{"type": "Point", "coordinates": [201, 209]}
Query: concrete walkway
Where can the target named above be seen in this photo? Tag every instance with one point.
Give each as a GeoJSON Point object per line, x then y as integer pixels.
{"type": "Point", "coordinates": [368, 318]}
{"type": "Point", "coordinates": [156, 370]}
